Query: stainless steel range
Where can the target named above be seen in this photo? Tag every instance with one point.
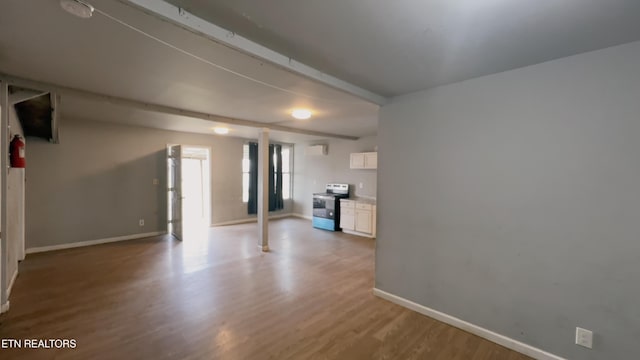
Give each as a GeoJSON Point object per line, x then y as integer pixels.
{"type": "Point", "coordinates": [326, 206]}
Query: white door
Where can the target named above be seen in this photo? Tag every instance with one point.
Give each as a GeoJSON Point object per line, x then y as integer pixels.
{"type": "Point", "coordinates": [347, 219]}
{"type": "Point", "coordinates": [174, 183]}
{"type": "Point", "coordinates": [371, 160]}
{"type": "Point", "coordinates": [356, 161]}
{"type": "Point", "coordinates": [363, 221]}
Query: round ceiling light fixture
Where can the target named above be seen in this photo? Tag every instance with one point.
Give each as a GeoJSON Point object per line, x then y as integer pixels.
{"type": "Point", "coordinates": [77, 8]}
{"type": "Point", "coordinates": [301, 114]}
{"type": "Point", "coordinates": [221, 130]}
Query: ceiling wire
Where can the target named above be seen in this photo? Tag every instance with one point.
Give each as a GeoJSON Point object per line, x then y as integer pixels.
{"type": "Point", "coordinates": [211, 63]}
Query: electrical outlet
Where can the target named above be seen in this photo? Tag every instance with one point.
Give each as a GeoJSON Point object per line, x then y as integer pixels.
{"type": "Point", "coordinates": [361, 185]}
{"type": "Point", "coordinates": [141, 222]}
{"type": "Point", "coordinates": [584, 337]}
{"type": "Point", "coordinates": [156, 181]}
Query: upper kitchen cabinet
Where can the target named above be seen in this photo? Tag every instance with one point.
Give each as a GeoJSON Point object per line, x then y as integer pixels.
{"type": "Point", "coordinates": [366, 160]}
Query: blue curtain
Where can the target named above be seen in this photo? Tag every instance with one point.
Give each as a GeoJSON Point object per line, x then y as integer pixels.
{"type": "Point", "coordinates": [252, 204]}
{"type": "Point", "coordinates": [276, 201]}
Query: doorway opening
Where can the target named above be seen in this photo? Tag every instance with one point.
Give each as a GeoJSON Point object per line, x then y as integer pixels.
{"type": "Point", "coordinates": [195, 187]}
{"type": "Point", "coordinates": [189, 191]}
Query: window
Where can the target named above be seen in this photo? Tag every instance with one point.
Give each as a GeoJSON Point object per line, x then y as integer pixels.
{"type": "Point", "coordinates": [245, 173]}
{"type": "Point", "coordinates": [286, 172]}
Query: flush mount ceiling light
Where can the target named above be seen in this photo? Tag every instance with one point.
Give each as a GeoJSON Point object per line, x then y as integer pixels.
{"type": "Point", "coordinates": [301, 114]}
{"type": "Point", "coordinates": [221, 130]}
{"type": "Point", "coordinates": [77, 8]}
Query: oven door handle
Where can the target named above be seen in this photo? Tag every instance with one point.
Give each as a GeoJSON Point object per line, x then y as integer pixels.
{"type": "Point", "coordinates": [323, 197]}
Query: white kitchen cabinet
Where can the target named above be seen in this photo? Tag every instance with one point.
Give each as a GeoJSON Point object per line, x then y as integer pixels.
{"type": "Point", "coordinates": [371, 160]}
{"type": "Point", "coordinates": [348, 219]}
{"type": "Point", "coordinates": [347, 214]}
{"type": "Point", "coordinates": [357, 161]}
{"type": "Point", "coordinates": [358, 218]}
{"type": "Point", "coordinates": [363, 221]}
{"type": "Point", "coordinates": [365, 160]}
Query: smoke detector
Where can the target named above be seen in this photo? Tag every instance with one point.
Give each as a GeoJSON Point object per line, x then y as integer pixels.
{"type": "Point", "coordinates": [77, 8]}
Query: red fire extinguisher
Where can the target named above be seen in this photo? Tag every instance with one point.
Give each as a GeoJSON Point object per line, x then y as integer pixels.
{"type": "Point", "coordinates": [16, 152]}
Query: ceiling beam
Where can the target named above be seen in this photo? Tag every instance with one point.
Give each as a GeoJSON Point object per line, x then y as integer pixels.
{"type": "Point", "coordinates": [171, 110]}
{"type": "Point", "coordinates": [223, 36]}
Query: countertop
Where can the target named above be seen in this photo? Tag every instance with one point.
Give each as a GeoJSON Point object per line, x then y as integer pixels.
{"type": "Point", "coordinates": [364, 200]}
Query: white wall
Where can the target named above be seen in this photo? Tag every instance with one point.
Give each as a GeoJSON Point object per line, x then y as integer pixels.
{"type": "Point", "coordinates": [15, 207]}
{"type": "Point", "coordinates": [313, 172]}
{"type": "Point", "coordinates": [98, 182]}
{"type": "Point", "coordinates": [512, 201]}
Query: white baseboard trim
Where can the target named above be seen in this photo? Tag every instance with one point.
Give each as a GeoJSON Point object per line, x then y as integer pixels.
{"type": "Point", "coordinates": [358, 233]}
{"type": "Point", "coordinates": [93, 242]}
{"type": "Point", "coordinates": [302, 216]}
{"type": "Point", "coordinates": [4, 307]}
{"type": "Point", "coordinates": [13, 280]}
{"type": "Point", "coordinates": [466, 326]}
{"type": "Point", "coordinates": [250, 220]}
{"type": "Point", "coordinates": [234, 222]}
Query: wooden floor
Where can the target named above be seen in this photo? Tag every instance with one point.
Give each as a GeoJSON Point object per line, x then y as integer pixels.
{"type": "Point", "coordinates": [215, 296]}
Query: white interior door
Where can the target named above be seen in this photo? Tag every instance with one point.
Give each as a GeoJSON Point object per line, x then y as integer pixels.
{"type": "Point", "coordinates": [174, 161]}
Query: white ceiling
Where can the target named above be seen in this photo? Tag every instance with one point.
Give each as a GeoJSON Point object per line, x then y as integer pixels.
{"type": "Point", "coordinates": [39, 41]}
{"type": "Point", "coordinates": [388, 47]}
{"type": "Point", "coordinates": [399, 46]}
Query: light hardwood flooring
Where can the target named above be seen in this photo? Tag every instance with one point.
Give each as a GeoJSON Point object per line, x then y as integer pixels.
{"type": "Point", "coordinates": [216, 296]}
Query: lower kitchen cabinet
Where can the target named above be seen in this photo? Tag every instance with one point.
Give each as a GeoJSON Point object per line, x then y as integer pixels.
{"type": "Point", "coordinates": [363, 221]}
{"type": "Point", "coordinates": [358, 218]}
{"type": "Point", "coordinates": [347, 218]}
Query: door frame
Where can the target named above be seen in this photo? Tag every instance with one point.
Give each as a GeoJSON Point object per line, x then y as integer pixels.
{"type": "Point", "coordinates": [209, 178]}
{"type": "Point", "coordinates": [209, 181]}
{"type": "Point", "coordinates": [171, 193]}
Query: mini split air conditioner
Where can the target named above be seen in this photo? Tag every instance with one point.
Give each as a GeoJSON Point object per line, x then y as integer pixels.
{"type": "Point", "coordinates": [316, 150]}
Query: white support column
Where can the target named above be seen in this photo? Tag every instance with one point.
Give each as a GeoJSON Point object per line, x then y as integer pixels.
{"type": "Point", "coordinates": [263, 189]}
{"type": "Point", "coordinates": [4, 157]}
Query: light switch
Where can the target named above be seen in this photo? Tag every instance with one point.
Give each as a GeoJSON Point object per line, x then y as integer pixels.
{"type": "Point", "coordinates": [584, 337]}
